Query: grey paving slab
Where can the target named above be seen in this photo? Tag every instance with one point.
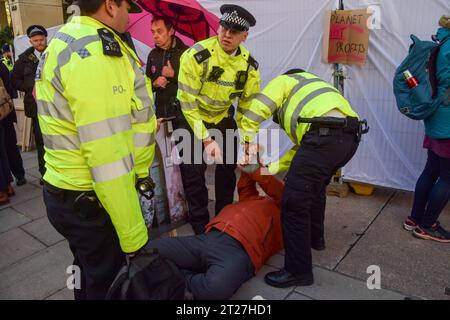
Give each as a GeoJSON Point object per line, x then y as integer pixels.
{"type": "Point", "coordinates": [24, 193]}
{"type": "Point", "coordinates": [33, 209]}
{"type": "Point", "coordinates": [10, 219]}
{"type": "Point", "coordinates": [276, 261]}
{"type": "Point", "coordinates": [185, 230]}
{"type": "Point", "coordinates": [418, 267]}
{"type": "Point", "coordinates": [257, 287]}
{"type": "Point", "coordinates": [29, 155]}
{"type": "Point", "coordinates": [16, 245]}
{"type": "Point", "coordinates": [297, 296]}
{"type": "Point", "coordinates": [345, 220]}
{"type": "Point", "coordinates": [30, 179]}
{"type": "Point", "coordinates": [64, 294]}
{"type": "Point", "coordinates": [38, 276]}
{"type": "Point", "coordinates": [329, 285]}
{"type": "Point", "coordinates": [30, 162]}
{"type": "Point", "coordinates": [34, 172]}
{"type": "Point", "coordinates": [43, 231]}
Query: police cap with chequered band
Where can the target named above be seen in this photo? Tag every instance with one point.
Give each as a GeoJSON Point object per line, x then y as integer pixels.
{"type": "Point", "coordinates": [236, 18]}
{"type": "Point", "coordinates": [36, 30]}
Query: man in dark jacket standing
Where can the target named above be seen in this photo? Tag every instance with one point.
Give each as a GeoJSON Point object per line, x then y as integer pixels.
{"type": "Point", "coordinates": [163, 65]}
{"type": "Point", "coordinates": [22, 79]}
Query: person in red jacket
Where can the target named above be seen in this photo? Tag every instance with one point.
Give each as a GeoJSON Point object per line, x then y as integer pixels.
{"type": "Point", "coordinates": [237, 242]}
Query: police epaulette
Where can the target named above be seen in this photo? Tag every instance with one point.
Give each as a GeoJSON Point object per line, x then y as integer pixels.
{"type": "Point", "coordinates": [111, 46]}
{"type": "Point", "coordinates": [253, 62]}
{"type": "Point", "coordinates": [202, 55]}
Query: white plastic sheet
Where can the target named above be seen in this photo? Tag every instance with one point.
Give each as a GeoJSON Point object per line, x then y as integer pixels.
{"type": "Point", "coordinates": [391, 154]}
{"type": "Point", "coordinates": [289, 34]}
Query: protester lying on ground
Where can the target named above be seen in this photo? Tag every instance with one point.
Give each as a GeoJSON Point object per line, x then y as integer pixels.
{"type": "Point", "coordinates": [237, 242]}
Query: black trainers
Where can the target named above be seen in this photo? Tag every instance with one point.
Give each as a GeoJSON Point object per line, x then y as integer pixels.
{"type": "Point", "coordinates": [21, 181]}
{"type": "Point", "coordinates": [410, 224]}
{"type": "Point", "coordinates": [435, 233]}
{"type": "Point", "coordinates": [318, 245]}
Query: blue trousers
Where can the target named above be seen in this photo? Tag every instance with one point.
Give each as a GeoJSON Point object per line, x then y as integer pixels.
{"type": "Point", "coordinates": [432, 190]}
{"type": "Point", "coordinates": [214, 264]}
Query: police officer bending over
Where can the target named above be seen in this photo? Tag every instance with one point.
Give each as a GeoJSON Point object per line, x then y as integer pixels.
{"type": "Point", "coordinates": [95, 111]}
{"type": "Point", "coordinates": [321, 149]}
{"type": "Point", "coordinates": [213, 73]}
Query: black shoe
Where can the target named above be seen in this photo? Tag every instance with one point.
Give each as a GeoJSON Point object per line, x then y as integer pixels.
{"type": "Point", "coordinates": [21, 181]}
{"type": "Point", "coordinates": [198, 228]}
{"type": "Point", "coordinates": [318, 245]}
{"type": "Point", "coordinates": [285, 279]}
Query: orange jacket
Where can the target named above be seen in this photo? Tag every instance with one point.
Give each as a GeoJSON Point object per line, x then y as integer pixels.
{"type": "Point", "coordinates": [255, 220]}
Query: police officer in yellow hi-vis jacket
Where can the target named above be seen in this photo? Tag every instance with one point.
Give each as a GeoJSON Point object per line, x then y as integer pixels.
{"type": "Point", "coordinates": [213, 74]}
{"type": "Point", "coordinates": [96, 113]}
{"type": "Point", "coordinates": [322, 148]}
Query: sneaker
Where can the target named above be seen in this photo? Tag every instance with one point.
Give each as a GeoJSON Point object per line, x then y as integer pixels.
{"type": "Point", "coordinates": [436, 233]}
{"type": "Point", "coordinates": [21, 181]}
{"type": "Point", "coordinates": [410, 224]}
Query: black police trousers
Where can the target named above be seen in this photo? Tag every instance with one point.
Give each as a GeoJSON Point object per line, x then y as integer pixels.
{"type": "Point", "coordinates": [320, 155]}
{"type": "Point", "coordinates": [14, 157]}
{"type": "Point", "coordinates": [39, 141]}
{"type": "Point", "coordinates": [193, 176]}
{"type": "Point", "coordinates": [92, 240]}
{"type": "Point", "coordinates": [214, 264]}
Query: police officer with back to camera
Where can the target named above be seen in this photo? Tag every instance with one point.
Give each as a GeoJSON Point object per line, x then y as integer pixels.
{"type": "Point", "coordinates": [96, 113]}
{"type": "Point", "coordinates": [295, 100]}
{"type": "Point", "coordinates": [213, 74]}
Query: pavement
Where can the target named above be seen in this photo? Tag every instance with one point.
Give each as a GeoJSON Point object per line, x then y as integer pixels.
{"type": "Point", "coordinates": [362, 234]}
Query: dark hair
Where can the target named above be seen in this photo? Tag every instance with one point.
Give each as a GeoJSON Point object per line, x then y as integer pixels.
{"type": "Point", "coordinates": [92, 6]}
{"type": "Point", "coordinates": [167, 22]}
{"type": "Point", "coordinates": [291, 71]}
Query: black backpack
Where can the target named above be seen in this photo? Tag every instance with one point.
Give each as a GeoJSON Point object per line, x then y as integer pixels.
{"type": "Point", "coordinates": [148, 276]}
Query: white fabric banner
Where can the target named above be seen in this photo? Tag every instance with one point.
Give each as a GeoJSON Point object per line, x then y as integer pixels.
{"type": "Point", "coordinates": [288, 34]}
{"type": "Point", "coordinates": [391, 154]}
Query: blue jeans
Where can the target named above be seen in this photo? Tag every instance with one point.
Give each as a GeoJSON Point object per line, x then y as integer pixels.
{"type": "Point", "coordinates": [432, 190]}
{"type": "Point", "coordinates": [5, 173]}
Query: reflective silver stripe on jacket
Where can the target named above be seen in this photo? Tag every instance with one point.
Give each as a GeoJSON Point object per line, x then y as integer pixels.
{"type": "Point", "coordinates": [265, 100]}
{"type": "Point", "coordinates": [249, 114]}
{"type": "Point", "coordinates": [141, 116]}
{"type": "Point", "coordinates": [59, 109]}
{"type": "Point", "coordinates": [187, 89]}
{"type": "Point", "coordinates": [143, 140]}
{"type": "Point", "coordinates": [303, 82]}
{"type": "Point", "coordinates": [188, 105]}
{"type": "Point", "coordinates": [61, 142]}
{"type": "Point", "coordinates": [212, 113]}
{"type": "Point", "coordinates": [105, 128]}
{"type": "Point", "coordinates": [304, 102]}
{"type": "Point", "coordinates": [113, 170]}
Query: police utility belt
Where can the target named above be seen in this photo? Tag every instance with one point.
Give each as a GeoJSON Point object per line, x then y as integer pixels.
{"type": "Point", "coordinates": [324, 125]}
{"type": "Point", "coordinates": [86, 203]}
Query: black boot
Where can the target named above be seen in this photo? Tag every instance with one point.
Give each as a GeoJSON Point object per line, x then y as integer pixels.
{"type": "Point", "coordinates": [285, 279]}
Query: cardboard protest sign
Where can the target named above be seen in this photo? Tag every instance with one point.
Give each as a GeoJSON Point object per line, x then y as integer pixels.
{"type": "Point", "coordinates": [346, 37]}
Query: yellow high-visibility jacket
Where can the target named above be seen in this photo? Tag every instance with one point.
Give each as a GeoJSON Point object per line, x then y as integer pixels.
{"type": "Point", "coordinates": [289, 97]}
{"type": "Point", "coordinates": [204, 99]}
{"type": "Point", "coordinates": [95, 110]}
{"type": "Point", "coordinates": [8, 63]}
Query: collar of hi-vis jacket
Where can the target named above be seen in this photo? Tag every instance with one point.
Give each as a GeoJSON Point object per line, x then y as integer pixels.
{"type": "Point", "coordinates": [85, 20]}
{"type": "Point", "coordinates": [215, 44]}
